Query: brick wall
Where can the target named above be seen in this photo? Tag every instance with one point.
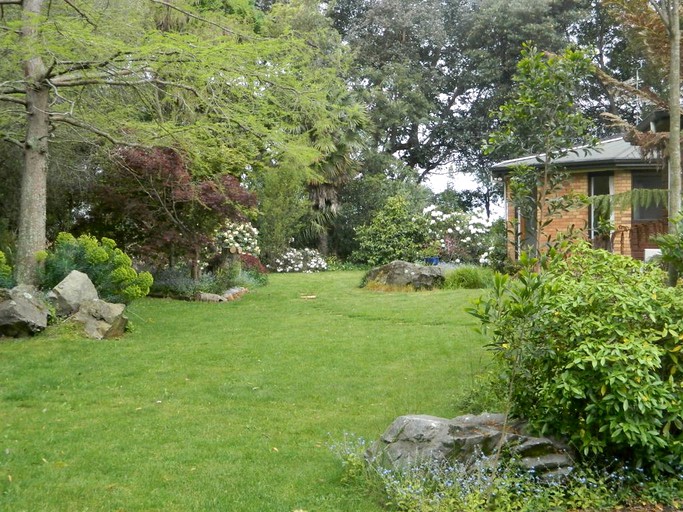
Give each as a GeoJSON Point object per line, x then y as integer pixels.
{"type": "Point", "coordinates": [622, 217]}
{"type": "Point", "coordinates": [578, 218]}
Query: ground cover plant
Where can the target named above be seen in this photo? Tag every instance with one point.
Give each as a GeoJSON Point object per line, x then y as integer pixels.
{"type": "Point", "coordinates": [227, 406]}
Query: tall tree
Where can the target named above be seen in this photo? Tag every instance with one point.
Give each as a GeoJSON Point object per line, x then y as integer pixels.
{"type": "Point", "coordinates": [654, 26]}
{"type": "Point", "coordinates": [432, 71]}
{"type": "Point", "coordinates": [669, 12]}
{"type": "Point", "coordinates": [339, 137]}
{"type": "Point", "coordinates": [542, 118]}
{"type": "Point", "coordinates": [152, 73]}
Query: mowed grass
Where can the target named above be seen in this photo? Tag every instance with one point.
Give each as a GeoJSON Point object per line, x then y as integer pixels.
{"type": "Point", "coordinates": [227, 407]}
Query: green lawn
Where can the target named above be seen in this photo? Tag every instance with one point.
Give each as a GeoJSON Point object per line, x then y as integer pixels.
{"type": "Point", "coordinates": [227, 407]}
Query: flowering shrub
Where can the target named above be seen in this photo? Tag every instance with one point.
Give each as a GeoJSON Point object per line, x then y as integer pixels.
{"type": "Point", "coordinates": [107, 266]}
{"type": "Point", "coordinates": [461, 237]}
{"type": "Point", "coordinates": [299, 260]}
{"type": "Point", "coordinates": [241, 236]}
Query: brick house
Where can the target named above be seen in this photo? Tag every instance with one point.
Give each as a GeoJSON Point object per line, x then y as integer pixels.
{"type": "Point", "coordinates": [612, 167]}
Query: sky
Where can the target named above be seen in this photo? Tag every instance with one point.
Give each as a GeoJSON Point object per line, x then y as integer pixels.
{"type": "Point", "coordinates": [439, 182]}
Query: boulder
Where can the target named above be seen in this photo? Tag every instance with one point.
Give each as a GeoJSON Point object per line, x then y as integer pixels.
{"type": "Point", "coordinates": [22, 312]}
{"type": "Point", "coordinates": [234, 293]}
{"type": "Point", "coordinates": [230, 295]}
{"type": "Point", "coordinates": [68, 295]}
{"type": "Point", "coordinates": [101, 319]}
{"type": "Point", "coordinates": [209, 297]}
{"type": "Point", "coordinates": [416, 439]}
{"type": "Point", "coordinates": [401, 273]}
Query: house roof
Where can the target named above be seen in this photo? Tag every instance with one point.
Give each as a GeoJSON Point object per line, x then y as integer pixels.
{"type": "Point", "coordinates": [605, 156]}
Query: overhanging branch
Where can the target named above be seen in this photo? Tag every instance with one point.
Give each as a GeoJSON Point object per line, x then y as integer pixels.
{"type": "Point", "coordinates": [646, 94]}
{"type": "Point", "coordinates": [12, 99]}
{"type": "Point", "coordinates": [81, 13]}
{"type": "Point", "coordinates": [61, 118]}
{"type": "Point", "coordinates": [203, 20]}
{"type": "Point", "coordinates": [104, 80]}
{"type": "Point", "coordinates": [11, 140]}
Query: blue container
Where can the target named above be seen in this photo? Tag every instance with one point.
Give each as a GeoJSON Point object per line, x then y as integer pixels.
{"type": "Point", "coordinates": [434, 260]}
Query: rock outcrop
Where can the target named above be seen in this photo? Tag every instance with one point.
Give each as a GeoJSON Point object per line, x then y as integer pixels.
{"type": "Point", "coordinates": [401, 273]}
{"type": "Point", "coordinates": [73, 290]}
{"type": "Point", "coordinates": [22, 312]}
{"type": "Point", "coordinates": [417, 439]}
{"type": "Point", "coordinates": [101, 319]}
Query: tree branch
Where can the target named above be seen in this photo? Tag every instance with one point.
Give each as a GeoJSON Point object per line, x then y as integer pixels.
{"type": "Point", "coordinates": [81, 13]}
{"type": "Point", "coordinates": [8, 29]}
{"type": "Point", "coordinates": [118, 57]}
{"type": "Point", "coordinates": [104, 80]}
{"type": "Point", "coordinates": [81, 66]}
{"type": "Point", "coordinates": [12, 99]}
{"type": "Point", "coordinates": [5, 89]}
{"type": "Point", "coordinates": [204, 20]}
{"type": "Point", "coordinates": [61, 118]}
{"type": "Point", "coordinates": [11, 2]}
{"type": "Point", "coordinates": [9, 139]}
{"type": "Point", "coordinates": [646, 94]}
{"type": "Point", "coordinates": [661, 12]}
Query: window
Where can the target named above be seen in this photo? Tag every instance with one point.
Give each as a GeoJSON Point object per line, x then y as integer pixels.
{"type": "Point", "coordinates": [600, 218]}
{"type": "Point", "coordinates": [652, 210]}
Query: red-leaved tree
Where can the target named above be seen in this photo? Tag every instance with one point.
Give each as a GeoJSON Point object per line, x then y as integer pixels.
{"type": "Point", "coordinates": [149, 202]}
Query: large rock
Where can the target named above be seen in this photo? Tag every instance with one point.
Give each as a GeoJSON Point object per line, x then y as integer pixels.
{"type": "Point", "coordinates": [68, 295]}
{"type": "Point", "coordinates": [101, 319]}
{"type": "Point", "coordinates": [416, 439]}
{"type": "Point", "coordinates": [22, 312]}
{"type": "Point", "coordinates": [208, 297]}
{"type": "Point", "coordinates": [401, 273]}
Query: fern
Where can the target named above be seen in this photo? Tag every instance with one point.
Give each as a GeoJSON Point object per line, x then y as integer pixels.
{"type": "Point", "coordinates": [642, 197]}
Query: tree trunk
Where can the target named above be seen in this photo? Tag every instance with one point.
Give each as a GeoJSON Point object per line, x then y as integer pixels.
{"type": "Point", "coordinates": [32, 209]}
{"type": "Point", "coordinates": [324, 242]}
{"type": "Point", "coordinates": [675, 123]}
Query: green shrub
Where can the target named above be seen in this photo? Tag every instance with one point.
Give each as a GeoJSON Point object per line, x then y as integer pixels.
{"type": "Point", "coordinates": [671, 245]}
{"type": "Point", "coordinates": [591, 347]}
{"type": "Point", "coordinates": [483, 393]}
{"type": "Point", "coordinates": [177, 283]}
{"type": "Point", "coordinates": [336, 264]}
{"type": "Point", "coordinates": [395, 233]}
{"type": "Point", "coordinates": [6, 280]}
{"type": "Point", "coordinates": [468, 276]}
{"type": "Point", "coordinates": [108, 267]}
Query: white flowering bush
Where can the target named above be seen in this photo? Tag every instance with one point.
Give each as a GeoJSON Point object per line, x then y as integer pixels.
{"type": "Point", "coordinates": [462, 237]}
{"type": "Point", "coordinates": [242, 237]}
{"type": "Point", "coordinates": [299, 260]}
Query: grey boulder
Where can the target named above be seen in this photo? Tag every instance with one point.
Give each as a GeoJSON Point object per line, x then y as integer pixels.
{"type": "Point", "coordinates": [68, 295]}
{"type": "Point", "coordinates": [417, 439]}
{"type": "Point", "coordinates": [401, 273]}
{"type": "Point", "coordinates": [101, 319]}
{"type": "Point", "coordinates": [22, 312]}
